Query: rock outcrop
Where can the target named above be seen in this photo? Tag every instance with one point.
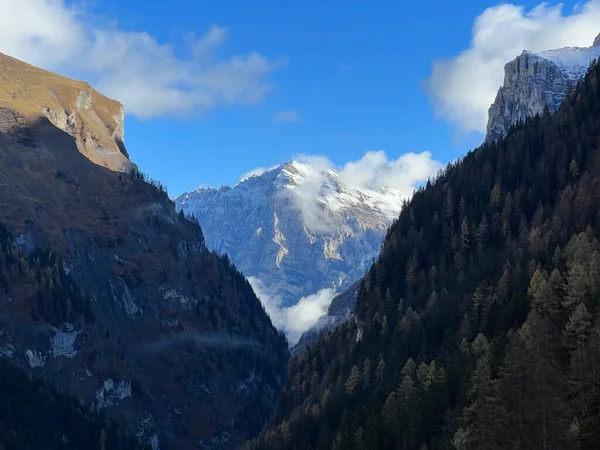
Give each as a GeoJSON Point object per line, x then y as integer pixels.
{"type": "Point", "coordinates": [536, 81]}
{"type": "Point", "coordinates": [95, 121]}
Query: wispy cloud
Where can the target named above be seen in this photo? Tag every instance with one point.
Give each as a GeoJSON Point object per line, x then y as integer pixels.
{"type": "Point", "coordinates": [148, 76]}
{"type": "Point", "coordinates": [256, 172]}
{"type": "Point", "coordinates": [288, 115]}
{"type": "Point", "coordinates": [462, 88]}
{"type": "Point", "coordinates": [296, 319]}
{"type": "Point", "coordinates": [374, 171]}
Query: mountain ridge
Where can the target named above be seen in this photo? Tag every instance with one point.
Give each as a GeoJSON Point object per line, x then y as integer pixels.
{"type": "Point", "coordinates": [477, 326]}
{"type": "Point", "coordinates": [94, 120]}
{"type": "Point", "coordinates": [295, 230]}
{"type": "Point", "coordinates": [536, 81]}
{"type": "Point", "coordinates": [111, 296]}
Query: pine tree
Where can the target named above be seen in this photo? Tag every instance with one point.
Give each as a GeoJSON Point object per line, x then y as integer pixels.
{"type": "Point", "coordinates": [576, 335]}
{"type": "Point", "coordinates": [483, 424]}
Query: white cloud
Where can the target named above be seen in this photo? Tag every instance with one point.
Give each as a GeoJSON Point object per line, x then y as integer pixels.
{"type": "Point", "coordinates": [256, 172]}
{"type": "Point", "coordinates": [462, 88]}
{"type": "Point", "coordinates": [374, 171]}
{"type": "Point", "coordinates": [288, 115]}
{"type": "Point", "coordinates": [147, 76]}
{"type": "Point", "coordinates": [296, 319]}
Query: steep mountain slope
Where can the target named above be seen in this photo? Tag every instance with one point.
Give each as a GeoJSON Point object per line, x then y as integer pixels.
{"type": "Point", "coordinates": [535, 81]}
{"type": "Point", "coordinates": [95, 121]}
{"type": "Point", "coordinates": [478, 326]}
{"type": "Point", "coordinates": [39, 416]}
{"type": "Point", "coordinates": [109, 294]}
{"type": "Point", "coordinates": [296, 229]}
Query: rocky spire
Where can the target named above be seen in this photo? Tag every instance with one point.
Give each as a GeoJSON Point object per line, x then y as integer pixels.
{"type": "Point", "coordinates": [597, 41]}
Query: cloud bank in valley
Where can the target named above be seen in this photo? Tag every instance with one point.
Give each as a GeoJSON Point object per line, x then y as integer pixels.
{"type": "Point", "coordinates": [147, 76]}
{"type": "Point", "coordinates": [462, 88]}
{"type": "Point", "coordinates": [296, 319]}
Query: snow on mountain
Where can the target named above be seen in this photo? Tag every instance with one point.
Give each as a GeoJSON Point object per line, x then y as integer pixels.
{"type": "Point", "coordinates": [535, 81]}
{"type": "Point", "coordinates": [573, 62]}
{"type": "Point", "coordinates": [300, 232]}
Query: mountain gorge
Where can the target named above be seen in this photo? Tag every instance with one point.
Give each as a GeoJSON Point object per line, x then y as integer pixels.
{"type": "Point", "coordinates": [110, 295]}
{"type": "Point", "coordinates": [296, 230]}
{"type": "Point", "coordinates": [477, 326]}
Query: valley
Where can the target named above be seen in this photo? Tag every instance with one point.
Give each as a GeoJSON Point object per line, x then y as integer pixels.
{"type": "Point", "coordinates": [376, 303]}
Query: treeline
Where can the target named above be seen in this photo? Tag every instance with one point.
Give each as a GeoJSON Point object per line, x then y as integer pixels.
{"type": "Point", "coordinates": [35, 416]}
{"type": "Point", "coordinates": [478, 326]}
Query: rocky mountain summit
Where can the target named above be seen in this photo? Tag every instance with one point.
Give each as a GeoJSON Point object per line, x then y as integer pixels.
{"type": "Point", "coordinates": [95, 121]}
{"type": "Point", "coordinates": [535, 81]}
{"type": "Point", "coordinates": [107, 292]}
{"type": "Point", "coordinates": [296, 229]}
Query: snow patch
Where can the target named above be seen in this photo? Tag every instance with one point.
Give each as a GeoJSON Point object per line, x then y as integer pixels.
{"type": "Point", "coordinates": [573, 62]}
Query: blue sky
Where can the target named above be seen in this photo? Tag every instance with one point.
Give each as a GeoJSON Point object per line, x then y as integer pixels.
{"type": "Point", "coordinates": [353, 75]}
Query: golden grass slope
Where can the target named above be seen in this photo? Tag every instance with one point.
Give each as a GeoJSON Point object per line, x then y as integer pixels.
{"type": "Point", "coordinates": [95, 121]}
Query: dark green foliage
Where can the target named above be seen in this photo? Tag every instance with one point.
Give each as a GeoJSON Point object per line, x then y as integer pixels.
{"type": "Point", "coordinates": [40, 274]}
{"type": "Point", "coordinates": [502, 245]}
{"type": "Point", "coordinates": [36, 416]}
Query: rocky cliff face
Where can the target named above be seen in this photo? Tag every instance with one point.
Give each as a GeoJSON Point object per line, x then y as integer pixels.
{"type": "Point", "coordinates": [111, 295]}
{"type": "Point", "coordinates": [535, 81]}
{"type": "Point", "coordinates": [295, 230]}
{"type": "Point", "coordinates": [95, 121]}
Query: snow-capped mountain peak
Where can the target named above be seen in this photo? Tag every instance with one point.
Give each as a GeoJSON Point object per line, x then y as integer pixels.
{"type": "Point", "coordinates": [296, 230]}
{"type": "Point", "coordinates": [535, 81]}
{"type": "Point", "coordinates": [573, 62]}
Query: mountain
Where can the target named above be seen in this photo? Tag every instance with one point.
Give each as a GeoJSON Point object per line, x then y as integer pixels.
{"type": "Point", "coordinates": [35, 415]}
{"type": "Point", "coordinates": [535, 81]}
{"type": "Point", "coordinates": [296, 229]}
{"type": "Point", "coordinates": [110, 295]}
{"type": "Point", "coordinates": [478, 325]}
{"type": "Point", "coordinates": [95, 121]}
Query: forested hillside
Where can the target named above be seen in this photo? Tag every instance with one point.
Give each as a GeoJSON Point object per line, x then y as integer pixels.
{"type": "Point", "coordinates": [34, 415]}
{"type": "Point", "coordinates": [477, 327]}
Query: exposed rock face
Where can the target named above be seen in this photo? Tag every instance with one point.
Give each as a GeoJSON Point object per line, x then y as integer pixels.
{"type": "Point", "coordinates": [291, 238]}
{"type": "Point", "coordinates": [535, 81]}
{"type": "Point", "coordinates": [95, 121]}
{"type": "Point", "coordinates": [176, 345]}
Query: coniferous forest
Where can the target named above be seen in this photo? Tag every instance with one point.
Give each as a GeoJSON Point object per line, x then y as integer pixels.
{"type": "Point", "coordinates": [478, 327]}
{"type": "Point", "coordinates": [36, 416]}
